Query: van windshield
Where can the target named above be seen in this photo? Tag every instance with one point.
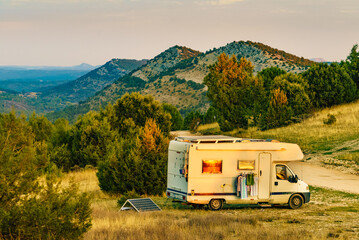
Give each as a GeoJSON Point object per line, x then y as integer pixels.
{"type": "Point", "coordinates": [283, 173]}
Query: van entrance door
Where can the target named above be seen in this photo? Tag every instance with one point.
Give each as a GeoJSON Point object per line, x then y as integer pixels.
{"type": "Point", "coordinates": [264, 175]}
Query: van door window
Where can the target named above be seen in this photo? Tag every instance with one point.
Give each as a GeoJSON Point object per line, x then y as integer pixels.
{"type": "Point", "coordinates": [283, 173]}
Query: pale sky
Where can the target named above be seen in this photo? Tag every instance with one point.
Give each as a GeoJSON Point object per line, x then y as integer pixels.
{"type": "Point", "coordinates": [69, 32]}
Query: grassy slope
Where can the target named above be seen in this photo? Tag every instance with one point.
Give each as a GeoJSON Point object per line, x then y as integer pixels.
{"type": "Point", "coordinates": [329, 214]}
{"type": "Point", "coordinates": [336, 145]}
{"type": "Point", "coordinates": [312, 134]}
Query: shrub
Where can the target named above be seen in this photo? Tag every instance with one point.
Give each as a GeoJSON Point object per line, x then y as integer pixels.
{"type": "Point", "coordinates": [33, 206]}
{"type": "Point", "coordinates": [330, 120]}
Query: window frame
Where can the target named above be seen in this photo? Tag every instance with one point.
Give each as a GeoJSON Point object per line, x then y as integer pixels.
{"type": "Point", "coordinates": [287, 170]}
{"type": "Point", "coordinates": [217, 160]}
{"type": "Point", "coordinates": [246, 169]}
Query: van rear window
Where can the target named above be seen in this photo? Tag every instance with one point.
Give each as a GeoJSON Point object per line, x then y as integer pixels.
{"type": "Point", "coordinates": [212, 166]}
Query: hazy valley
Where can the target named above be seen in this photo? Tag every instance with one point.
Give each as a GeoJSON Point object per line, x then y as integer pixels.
{"type": "Point", "coordinates": [174, 76]}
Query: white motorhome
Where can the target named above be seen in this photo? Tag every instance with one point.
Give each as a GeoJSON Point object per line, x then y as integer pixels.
{"type": "Point", "coordinates": [215, 170]}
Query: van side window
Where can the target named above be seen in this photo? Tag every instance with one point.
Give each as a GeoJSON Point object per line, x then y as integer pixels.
{"type": "Point", "coordinates": [246, 164]}
{"type": "Point", "coordinates": [282, 172]}
{"type": "Point", "coordinates": [212, 166]}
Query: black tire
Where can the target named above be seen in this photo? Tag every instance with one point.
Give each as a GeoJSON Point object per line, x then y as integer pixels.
{"type": "Point", "coordinates": [296, 201]}
{"type": "Point", "coordinates": [215, 204]}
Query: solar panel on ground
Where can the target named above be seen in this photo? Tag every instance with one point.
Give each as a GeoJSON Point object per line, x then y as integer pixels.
{"type": "Point", "coordinates": [141, 205]}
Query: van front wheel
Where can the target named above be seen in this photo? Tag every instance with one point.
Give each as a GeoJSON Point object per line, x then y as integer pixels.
{"type": "Point", "coordinates": [295, 201]}
{"type": "Point", "coordinates": [215, 204]}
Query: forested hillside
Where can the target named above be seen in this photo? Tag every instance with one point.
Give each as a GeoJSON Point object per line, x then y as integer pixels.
{"type": "Point", "coordinates": [176, 76]}
{"type": "Point", "coordinates": [92, 82]}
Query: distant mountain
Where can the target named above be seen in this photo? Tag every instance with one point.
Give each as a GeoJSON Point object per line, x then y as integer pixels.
{"type": "Point", "coordinates": [42, 97]}
{"type": "Point", "coordinates": [82, 66]}
{"type": "Point", "coordinates": [175, 76]}
{"type": "Point", "coordinates": [34, 78]}
{"type": "Point", "coordinates": [92, 82]}
{"type": "Point", "coordinates": [318, 60]}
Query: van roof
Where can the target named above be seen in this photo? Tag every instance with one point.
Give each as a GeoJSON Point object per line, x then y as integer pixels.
{"type": "Point", "coordinates": [218, 139]}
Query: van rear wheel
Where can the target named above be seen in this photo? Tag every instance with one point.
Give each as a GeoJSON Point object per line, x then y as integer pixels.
{"type": "Point", "coordinates": [296, 201]}
{"type": "Point", "coordinates": [215, 204]}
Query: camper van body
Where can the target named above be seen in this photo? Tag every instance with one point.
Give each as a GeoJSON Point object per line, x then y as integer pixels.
{"type": "Point", "coordinates": [205, 170]}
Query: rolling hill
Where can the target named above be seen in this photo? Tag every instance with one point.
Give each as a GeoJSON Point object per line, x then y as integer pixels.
{"type": "Point", "coordinates": [175, 76]}
{"type": "Point", "coordinates": [92, 82]}
{"type": "Point", "coordinates": [56, 98]}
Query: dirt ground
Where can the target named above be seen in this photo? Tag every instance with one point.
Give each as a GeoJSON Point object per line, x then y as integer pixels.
{"type": "Point", "coordinates": [322, 177]}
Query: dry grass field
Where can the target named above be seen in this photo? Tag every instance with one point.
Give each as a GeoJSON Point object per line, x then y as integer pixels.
{"type": "Point", "coordinates": [330, 214]}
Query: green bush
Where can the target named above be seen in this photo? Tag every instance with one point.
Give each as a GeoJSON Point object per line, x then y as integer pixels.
{"type": "Point", "coordinates": [330, 120]}
{"type": "Point", "coordinates": [138, 162]}
{"type": "Point", "coordinates": [34, 206]}
{"type": "Point", "coordinates": [192, 120]}
{"type": "Point", "coordinates": [176, 118]}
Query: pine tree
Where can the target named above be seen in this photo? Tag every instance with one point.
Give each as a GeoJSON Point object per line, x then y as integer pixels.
{"type": "Point", "coordinates": [233, 90]}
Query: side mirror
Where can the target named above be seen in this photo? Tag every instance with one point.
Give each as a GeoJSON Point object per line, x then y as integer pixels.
{"type": "Point", "coordinates": [293, 179]}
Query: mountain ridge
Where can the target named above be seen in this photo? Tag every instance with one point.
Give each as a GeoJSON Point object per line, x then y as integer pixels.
{"type": "Point", "coordinates": [175, 76]}
{"type": "Point", "coordinates": [95, 80]}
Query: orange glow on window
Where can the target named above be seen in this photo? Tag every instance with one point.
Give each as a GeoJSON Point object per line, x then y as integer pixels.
{"type": "Point", "coordinates": [212, 166]}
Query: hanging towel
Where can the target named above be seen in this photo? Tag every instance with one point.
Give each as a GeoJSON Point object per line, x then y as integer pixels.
{"type": "Point", "coordinates": [244, 187]}
{"type": "Point", "coordinates": [239, 185]}
{"type": "Point", "coordinates": [254, 187]}
{"type": "Point", "coordinates": [250, 180]}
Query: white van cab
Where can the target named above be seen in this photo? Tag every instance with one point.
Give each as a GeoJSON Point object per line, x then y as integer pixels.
{"type": "Point", "coordinates": [215, 170]}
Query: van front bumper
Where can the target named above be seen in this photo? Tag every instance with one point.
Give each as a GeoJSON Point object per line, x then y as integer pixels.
{"type": "Point", "coordinates": [306, 197]}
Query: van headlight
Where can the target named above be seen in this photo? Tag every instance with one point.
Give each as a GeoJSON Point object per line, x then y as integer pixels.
{"type": "Point", "coordinates": [307, 187]}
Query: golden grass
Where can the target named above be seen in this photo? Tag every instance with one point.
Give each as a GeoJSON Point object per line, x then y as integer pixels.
{"type": "Point", "coordinates": [330, 214]}
{"type": "Point", "coordinates": [87, 182]}
{"type": "Point", "coordinates": [313, 134]}
{"type": "Point", "coordinates": [208, 126]}
{"type": "Point", "coordinates": [310, 134]}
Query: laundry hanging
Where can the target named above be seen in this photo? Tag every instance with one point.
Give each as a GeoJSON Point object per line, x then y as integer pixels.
{"type": "Point", "coordinates": [247, 185]}
{"type": "Point", "coordinates": [244, 187]}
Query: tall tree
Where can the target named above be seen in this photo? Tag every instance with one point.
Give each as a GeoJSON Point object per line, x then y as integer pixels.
{"type": "Point", "coordinates": [268, 75]}
{"type": "Point", "coordinates": [353, 64]}
{"type": "Point", "coordinates": [279, 112]}
{"type": "Point", "coordinates": [133, 110]}
{"type": "Point", "coordinates": [329, 85]}
{"type": "Point", "coordinates": [41, 127]}
{"type": "Point", "coordinates": [295, 89]}
{"type": "Point", "coordinates": [230, 87]}
{"type": "Point", "coordinates": [176, 118]}
{"type": "Point", "coordinates": [152, 147]}
{"type": "Point", "coordinates": [136, 160]}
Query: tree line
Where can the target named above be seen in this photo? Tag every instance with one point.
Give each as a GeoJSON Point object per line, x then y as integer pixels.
{"type": "Point", "coordinates": [273, 97]}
